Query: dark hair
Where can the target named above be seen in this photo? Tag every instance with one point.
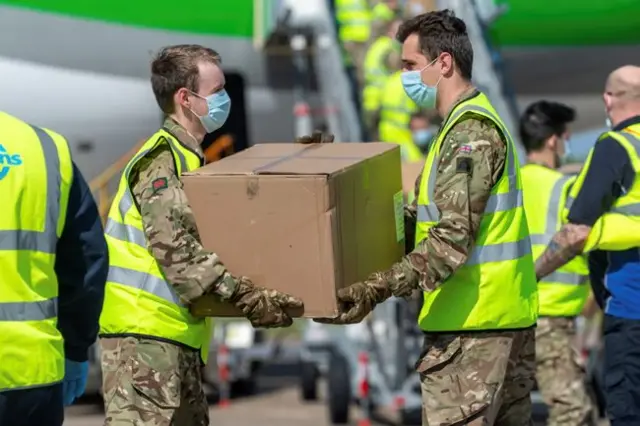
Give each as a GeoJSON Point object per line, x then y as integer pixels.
{"type": "Point", "coordinates": [543, 119]}
{"type": "Point", "coordinates": [175, 67]}
{"type": "Point", "coordinates": [440, 32]}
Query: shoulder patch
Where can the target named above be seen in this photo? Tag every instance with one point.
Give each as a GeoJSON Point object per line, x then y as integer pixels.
{"type": "Point", "coordinates": [159, 184]}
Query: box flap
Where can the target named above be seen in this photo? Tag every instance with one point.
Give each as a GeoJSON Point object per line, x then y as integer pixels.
{"type": "Point", "coordinates": [295, 159]}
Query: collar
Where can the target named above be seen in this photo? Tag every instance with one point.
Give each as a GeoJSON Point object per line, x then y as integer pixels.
{"type": "Point", "coordinates": [626, 123]}
{"type": "Point", "coordinates": [466, 95]}
{"type": "Point", "coordinates": [183, 136]}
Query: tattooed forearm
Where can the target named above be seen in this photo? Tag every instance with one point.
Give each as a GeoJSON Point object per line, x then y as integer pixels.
{"type": "Point", "coordinates": [564, 246]}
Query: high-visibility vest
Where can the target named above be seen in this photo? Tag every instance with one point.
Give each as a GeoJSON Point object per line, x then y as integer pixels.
{"type": "Point", "coordinates": [496, 288]}
{"type": "Point", "coordinates": [36, 172]}
{"type": "Point", "coordinates": [564, 292]}
{"type": "Point", "coordinates": [396, 109]}
{"type": "Point", "coordinates": [376, 72]}
{"type": "Point", "coordinates": [354, 17]}
{"type": "Point", "coordinates": [138, 300]}
{"type": "Point", "coordinates": [382, 12]}
{"type": "Point", "coordinates": [619, 228]}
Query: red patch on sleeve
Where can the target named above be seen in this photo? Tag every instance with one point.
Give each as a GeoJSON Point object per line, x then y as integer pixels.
{"type": "Point", "coordinates": [158, 184]}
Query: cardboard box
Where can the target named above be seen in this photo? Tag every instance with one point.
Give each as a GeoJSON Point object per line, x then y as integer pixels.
{"type": "Point", "coordinates": [410, 173]}
{"type": "Point", "coordinates": [304, 219]}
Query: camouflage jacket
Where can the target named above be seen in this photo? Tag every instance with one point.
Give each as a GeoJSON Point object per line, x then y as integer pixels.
{"type": "Point", "coordinates": [461, 195]}
{"type": "Point", "coordinates": [170, 226]}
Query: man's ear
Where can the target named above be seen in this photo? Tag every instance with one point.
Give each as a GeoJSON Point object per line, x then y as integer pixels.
{"type": "Point", "coordinates": [182, 98]}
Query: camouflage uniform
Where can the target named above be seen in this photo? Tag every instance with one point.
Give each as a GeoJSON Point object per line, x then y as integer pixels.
{"type": "Point", "coordinates": [480, 378]}
{"type": "Point", "coordinates": [560, 378]}
{"type": "Point", "coordinates": [145, 380]}
{"type": "Point", "coordinates": [152, 383]}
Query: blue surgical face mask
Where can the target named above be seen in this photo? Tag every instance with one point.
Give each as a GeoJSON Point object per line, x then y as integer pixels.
{"type": "Point", "coordinates": [219, 105]}
{"type": "Point", "coordinates": [422, 94]}
{"type": "Point", "coordinates": [422, 137]}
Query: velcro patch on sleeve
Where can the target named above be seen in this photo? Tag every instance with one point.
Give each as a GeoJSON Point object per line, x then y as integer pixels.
{"type": "Point", "coordinates": [159, 184]}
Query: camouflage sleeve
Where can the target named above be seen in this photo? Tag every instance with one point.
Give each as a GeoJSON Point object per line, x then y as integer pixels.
{"type": "Point", "coordinates": [472, 159]}
{"type": "Point", "coordinates": [171, 230]}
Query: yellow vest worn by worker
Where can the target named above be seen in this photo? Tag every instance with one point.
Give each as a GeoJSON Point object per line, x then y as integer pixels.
{"type": "Point", "coordinates": [396, 109]}
{"type": "Point", "coordinates": [138, 300]}
{"type": "Point", "coordinates": [382, 12]}
{"type": "Point", "coordinates": [354, 17]}
{"type": "Point", "coordinates": [35, 178]}
{"type": "Point", "coordinates": [564, 292]}
{"type": "Point", "coordinates": [376, 72]}
{"type": "Point", "coordinates": [618, 229]}
{"type": "Point", "coordinates": [496, 288]}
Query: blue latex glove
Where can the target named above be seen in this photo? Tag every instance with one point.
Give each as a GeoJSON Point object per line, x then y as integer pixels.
{"type": "Point", "coordinates": [75, 380]}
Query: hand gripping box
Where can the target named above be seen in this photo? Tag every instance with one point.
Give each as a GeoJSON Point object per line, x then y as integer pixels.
{"type": "Point", "coordinates": [303, 219]}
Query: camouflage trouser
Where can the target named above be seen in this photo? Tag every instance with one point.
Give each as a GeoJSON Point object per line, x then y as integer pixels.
{"type": "Point", "coordinates": [151, 383]}
{"type": "Point", "coordinates": [478, 378]}
{"type": "Point", "coordinates": [560, 379]}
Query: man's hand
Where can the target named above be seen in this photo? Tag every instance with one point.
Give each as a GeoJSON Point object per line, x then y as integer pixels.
{"type": "Point", "coordinates": [358, 300]}
{"type": "Point", "coordinates": [264, 307]}
{"type": "Point", "coordinates": [316, 137]}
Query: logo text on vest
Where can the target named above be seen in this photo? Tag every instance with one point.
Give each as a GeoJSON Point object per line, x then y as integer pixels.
{"type": "Point", "coordinates": [7, 161]}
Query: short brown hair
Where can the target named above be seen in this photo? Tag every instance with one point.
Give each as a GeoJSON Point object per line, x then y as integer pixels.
{"type": "Point", "coordinates": [439, 32]}
{"type": "Point", "coordinates": [175, 67]}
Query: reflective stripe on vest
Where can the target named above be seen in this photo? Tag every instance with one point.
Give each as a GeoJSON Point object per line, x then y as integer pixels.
{"type": "Point", "coordinates": [495, 289]}
{"type": "Point", "coordinates": [551, 229]}
{"type": "Point", "coordinates": [42, 241]}
{"type": "Point", "coordinates": [354, 17]}
{"type": "Point", "coordinates": [36, 173]}
{"type": "Point", "coordinates": [136, 287]}
{"type": "Point", "coordinates": [131, 234]}
{"type": "Point", "coordinates": [619, 228]}
{"type": "Point", "coordinates": [495, 203]}
{"type": "Point", "coordinates": [565, 291]}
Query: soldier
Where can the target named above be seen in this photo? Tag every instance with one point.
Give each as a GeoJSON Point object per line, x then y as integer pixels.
{"type": "Point", "coordinates": [153, 348]}
{"type": "Point", "coordinates": [544, 133]}
{"type": "Point", "coordinates": [604, 219]}
{"type": "Point", "coordinates": [472, 255]}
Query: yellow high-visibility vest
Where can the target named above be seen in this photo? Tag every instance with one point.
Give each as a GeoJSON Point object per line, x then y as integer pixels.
{"type": "Point", "coordinates": [496, 288]}
{"type": "Point", "coordinates": [138, 300]}
{"type": "Point", "coordinates": [619, 228]}
{"type": "Point", "coordinates": [564, 292]}
{"type": "Point", "coordinates": [396, 109]}
{"type": "Point", "coordinates": [376, 72]}
{"type": "Point", "coordinates": [36, 172]}
{"type": "Point", "coordinates": [382, 12]}
{"type": "Point", "coordinates": [354, 17]}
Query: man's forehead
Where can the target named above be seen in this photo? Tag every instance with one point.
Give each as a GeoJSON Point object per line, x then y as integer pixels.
{"type": "Point", "coordinates": [411, 49]}
{"type": "Point", "coordinates": [211, 76]}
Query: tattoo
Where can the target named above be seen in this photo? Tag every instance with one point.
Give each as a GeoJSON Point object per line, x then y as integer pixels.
{"type": "Point", "coordinates": [564, 246]}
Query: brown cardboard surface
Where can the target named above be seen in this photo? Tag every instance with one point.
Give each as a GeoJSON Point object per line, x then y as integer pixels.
{"type": "Point", "coordinates": [304, 219]}
{"type": "Point", "coordinates": [410, 173]}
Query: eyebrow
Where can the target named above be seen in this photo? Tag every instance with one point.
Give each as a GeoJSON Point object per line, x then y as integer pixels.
{"type": "Point", "coordinates": [217, 88]}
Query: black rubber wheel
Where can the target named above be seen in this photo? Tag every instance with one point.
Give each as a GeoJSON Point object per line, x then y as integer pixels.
{"type": "Point", "coordinates": [338, 389]}
{"type": "Point", "coordinates": [308, 381]}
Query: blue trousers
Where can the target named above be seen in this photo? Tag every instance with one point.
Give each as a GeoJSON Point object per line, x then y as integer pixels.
{"type": "Point", "coordinates": [622, 370]}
